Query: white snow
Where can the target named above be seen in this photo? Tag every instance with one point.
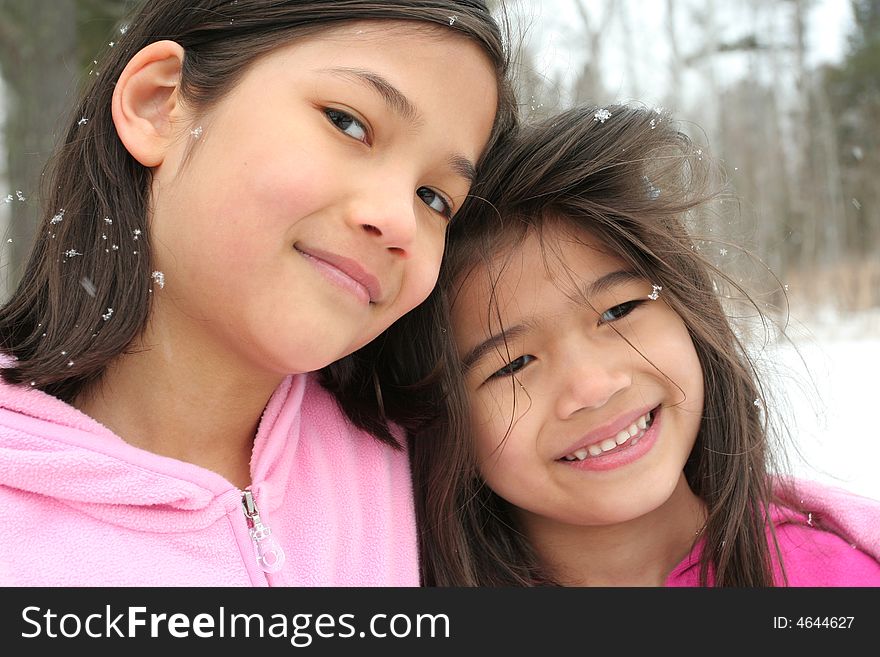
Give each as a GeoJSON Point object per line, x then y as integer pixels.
{"type": "Point", "coordinates": [829, 375]}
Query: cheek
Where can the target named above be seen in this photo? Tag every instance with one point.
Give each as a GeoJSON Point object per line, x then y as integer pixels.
{"type": "Point", "coordinates": [505, 457]}
{"type": "Point", "coordinates": [492, 450]}
{"type": "Point", "coordinates": [497, 437]}
{"type": "Point", "coordinates": [286, 194]}
{"type": "Point", "coordinates": [684, 368]}
{"type": "Point", "coordinates": [696, 391]}
{"type": "Point", "coordinates": [500, 405]}
{"type": "Point", "coordinates": [423, 268]}
{"type": "Point", "coordinates": [485, 427]}
{"type": "Point", "coordinates": [283, 172]}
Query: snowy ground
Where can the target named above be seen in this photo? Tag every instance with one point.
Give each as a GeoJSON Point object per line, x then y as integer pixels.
{"type": "Point", "coordinates": [833, 394]}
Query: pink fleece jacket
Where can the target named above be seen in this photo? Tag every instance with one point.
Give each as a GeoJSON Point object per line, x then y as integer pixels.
{"type": "Point", "coordinates": [833, 541]}
{"type": "Point", "coordinates": [81, 507]}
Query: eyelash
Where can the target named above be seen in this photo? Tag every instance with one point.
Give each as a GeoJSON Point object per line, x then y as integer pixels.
{"type": "Point", "coordinates": [338, 117]}
{"type": "Point", "coordinates": [511, 368]}
{"type": "Point", "coordinates": [623, 309]}
{"type": "Point", "coordinates": [447, 206]}
{"type": "Point", "coordinates": [518, 364]}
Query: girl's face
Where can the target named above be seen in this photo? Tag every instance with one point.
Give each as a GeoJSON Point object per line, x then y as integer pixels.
{"type": "Point", "coordinates": [311, 212]}
{"type": "Point", "coordinates": [585, 411]}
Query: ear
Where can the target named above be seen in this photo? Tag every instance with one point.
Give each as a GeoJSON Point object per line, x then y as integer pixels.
{"type": "Point", "coordinates": [146, 101]}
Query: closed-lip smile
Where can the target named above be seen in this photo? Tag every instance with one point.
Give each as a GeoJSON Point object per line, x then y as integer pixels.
{"type": "Point", "coordinates": [347, 266]}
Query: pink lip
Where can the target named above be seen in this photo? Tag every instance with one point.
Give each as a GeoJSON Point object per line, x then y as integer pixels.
{"type": "Point", "coordinates": [609, 430]}
{"type": "Point", "coordinates": [350, 268]}
{"type": "Point", "coordinates": [623, 455]}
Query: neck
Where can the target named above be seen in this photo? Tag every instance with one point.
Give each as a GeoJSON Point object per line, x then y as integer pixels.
{"type": "Point", "coordinates": [639, 552]}
{"type": "Point", "coordinates": [181, 403]}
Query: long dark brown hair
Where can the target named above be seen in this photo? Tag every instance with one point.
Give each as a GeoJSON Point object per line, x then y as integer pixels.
{"type": "Point", "coordinates": [629, 177]}
{"type": "Point", "coordinates": [92, 252]}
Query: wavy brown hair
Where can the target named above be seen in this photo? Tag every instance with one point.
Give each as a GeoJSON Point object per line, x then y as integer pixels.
{"type": "Point", "coordinates": [96, 194]}
{"type": "Point", "coordinates": [634, 181]}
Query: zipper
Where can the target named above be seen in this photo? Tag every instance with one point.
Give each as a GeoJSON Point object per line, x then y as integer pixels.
{"type": "Point", "coordinates": [269, 554]}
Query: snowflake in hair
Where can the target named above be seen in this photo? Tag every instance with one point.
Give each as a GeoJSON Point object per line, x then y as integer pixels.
{"type": "Point", "coordinates": [602, 115]}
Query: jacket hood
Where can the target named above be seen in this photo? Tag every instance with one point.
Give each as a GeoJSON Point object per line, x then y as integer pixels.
{"type": "Point", "coordinates": [49, 448]}
{"type": "Point", "coordinates": [851, 516]}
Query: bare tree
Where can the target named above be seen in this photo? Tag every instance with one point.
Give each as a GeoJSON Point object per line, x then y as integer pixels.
{"type": "Point", "coordinates": [673, 93]}
{"type": "Point", "coordinates": [628, 42]}
{"type": "Point", "coordinates": [588, 86]}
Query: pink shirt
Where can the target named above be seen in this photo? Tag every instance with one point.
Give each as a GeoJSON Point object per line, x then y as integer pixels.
{"type": "Point", "coordinates": [811, 556]}
{"type": "Point", "coordinates": [81, 507]}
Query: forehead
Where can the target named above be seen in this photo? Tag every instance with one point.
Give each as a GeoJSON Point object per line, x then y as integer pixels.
{"type": "Point", "coordinates": [529, 276]}
{"type": "Point", "coordinates": [382, 37]}
{"type": "Point", "coordinates": [394, 48]}
{"type": "Point", "coordinates": [446, 80]}
{"type": "Point", "coordinates": [379, 29]}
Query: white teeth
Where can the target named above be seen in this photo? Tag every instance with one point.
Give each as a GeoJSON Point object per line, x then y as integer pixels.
{"type": "Point", "coordinates": [632, 433]}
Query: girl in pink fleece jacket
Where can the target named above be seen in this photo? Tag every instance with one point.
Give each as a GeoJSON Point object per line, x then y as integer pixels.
{"type": "Point", "coordinates": [602, 422]}
{"type": "Point", "coordinates": [248, 193]}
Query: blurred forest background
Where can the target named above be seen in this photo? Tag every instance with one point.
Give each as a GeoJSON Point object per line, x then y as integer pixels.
{"type": "Point", "coordinates": [798, 135]}
{"type": "Point", "coordinates": [799, 140]}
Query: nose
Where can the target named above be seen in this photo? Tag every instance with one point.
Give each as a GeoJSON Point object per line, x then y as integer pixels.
{"type": "Point", "coordinates": [593, 377]}
{"type": "Point", "coordinates": [387, 216]}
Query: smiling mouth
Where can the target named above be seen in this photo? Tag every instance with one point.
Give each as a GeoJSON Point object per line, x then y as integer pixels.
{"type": "Point", "coordinates": [625, 438]}
{"type": "Point", "coordinates": [344, 272]}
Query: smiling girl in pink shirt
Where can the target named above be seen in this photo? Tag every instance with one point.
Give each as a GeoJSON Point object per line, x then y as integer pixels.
{"type": "Point", "coordinates": [601, 422]}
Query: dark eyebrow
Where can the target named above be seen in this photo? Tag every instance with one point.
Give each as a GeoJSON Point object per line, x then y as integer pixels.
{"type": "Point", "coordinates": [609, 280]}
{"type": "Point", "coordinates": [401, 105]}
{"type": "Point", "coordinates": [493, 343]}
{"type": "Point", "coordinates": [393, 97]}
{"type": "Point", "coordinates": [463, 167]}
{"type": "Point", "coordinates": [498, 340]}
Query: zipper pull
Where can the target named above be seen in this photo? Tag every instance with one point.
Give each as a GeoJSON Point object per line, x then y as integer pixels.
{"type": "Point", "coordinates": [268, 551]}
